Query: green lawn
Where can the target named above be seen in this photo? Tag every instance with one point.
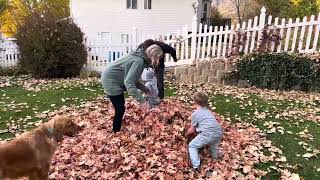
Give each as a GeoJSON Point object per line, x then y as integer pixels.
{"type": "Point", "coordinates": [19, 106]}
{"type": "Point", "coordinates": [295, 134]}
{"type": "Point", "coordinates": [286, 137]}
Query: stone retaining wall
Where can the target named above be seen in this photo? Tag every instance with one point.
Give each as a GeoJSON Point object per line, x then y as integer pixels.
{"type": "Point", "coordinates": [203, 71]}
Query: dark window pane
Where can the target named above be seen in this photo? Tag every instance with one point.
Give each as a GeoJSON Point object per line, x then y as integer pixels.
{"type": "Point", "coordinates": [149, 4]}
{"type": "Point", "coordinates": [204, 15]}
{"type": "Point", "coordinates": [134, 4]}
{"type": "Point", "coordinates": [128, 4]}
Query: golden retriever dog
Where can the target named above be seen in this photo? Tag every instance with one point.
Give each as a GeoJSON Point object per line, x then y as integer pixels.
{"type": "Point", "coordinates": [30, 154]}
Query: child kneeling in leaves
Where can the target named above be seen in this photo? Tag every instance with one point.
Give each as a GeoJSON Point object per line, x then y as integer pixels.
{"type": "Point", "coordinates": [203, 122]}
{"type": "Point", "coordinates": [148, 76]}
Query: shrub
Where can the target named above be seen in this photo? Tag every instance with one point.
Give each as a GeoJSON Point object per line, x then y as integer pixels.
{"type": "Point", "coordinates": [12, 71]}
{"type": "Point", "coordinates": [49, 47]}
{"type": "Point", "coordinates": [280, 71]}
{"type": "Point", "coordinates": [232, 78]}
{"type": "Point", "coordinates": [90, 74]}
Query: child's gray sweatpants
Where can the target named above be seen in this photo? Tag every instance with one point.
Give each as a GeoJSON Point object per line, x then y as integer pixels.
{"type": "Point", "coordinates": [200, 141]}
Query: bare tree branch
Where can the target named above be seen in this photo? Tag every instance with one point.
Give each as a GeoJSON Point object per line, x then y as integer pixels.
{"type": "Point", "coordinates": [237, 4]}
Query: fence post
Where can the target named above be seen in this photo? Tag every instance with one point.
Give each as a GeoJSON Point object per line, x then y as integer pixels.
{"type": "Point", "coordinates": [194, 37]}
{"type": "Point", "coordinates": [134, 39]}
{"type": "Point", "coordinates": [262, 21]}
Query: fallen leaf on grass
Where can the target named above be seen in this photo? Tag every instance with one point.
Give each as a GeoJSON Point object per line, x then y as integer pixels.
{"type": "Point", "coordinates": [282, 159]}
{"type": "Point", "coordinates": [308, 155]}
{"type": "Point", "coordinates": [246, 169]}
{"type": "Point", "coordinates": [294, 177]}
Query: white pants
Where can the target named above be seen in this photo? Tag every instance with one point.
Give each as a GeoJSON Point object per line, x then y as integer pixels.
{"type": "Point", "coordinates": [200, 141]}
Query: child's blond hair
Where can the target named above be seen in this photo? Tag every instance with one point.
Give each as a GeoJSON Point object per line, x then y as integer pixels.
{"type": "Point", "coordinates": [201, 99]}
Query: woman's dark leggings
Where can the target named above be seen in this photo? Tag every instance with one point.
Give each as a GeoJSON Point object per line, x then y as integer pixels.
{"type": "Point", "coordinates": [119, 109]}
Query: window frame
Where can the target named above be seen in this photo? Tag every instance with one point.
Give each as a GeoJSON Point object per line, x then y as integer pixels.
{"type": "Point", "coordinates": [122, 35]}
{"type": "Point", "coordinates": [147, 4]}
{"type": "Point", "coordinates": [105, 36]}
{"type": "Point", "coordinates": [130, 4]}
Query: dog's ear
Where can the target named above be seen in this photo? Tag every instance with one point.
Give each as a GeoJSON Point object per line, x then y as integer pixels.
{"type": "Point", "coordinates": [58, 130]}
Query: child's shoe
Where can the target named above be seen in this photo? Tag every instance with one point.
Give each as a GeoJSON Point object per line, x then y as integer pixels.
{"type": "Point", "coordinates": [197, 170]}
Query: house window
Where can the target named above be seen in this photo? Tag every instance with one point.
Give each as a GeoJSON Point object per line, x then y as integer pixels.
{"type": "Point", "coordinates": [132, 4]}
{"type": "Point", "coordinates": [125, 38]}
{"type": "Point", "coordinates": [147, 4]}
{"type": "Point", "coordinates": [205, 7]}
{"type": "Point", "coordinates": [205, 10]}
{"type": "Point", "coordinates": [105, 36]}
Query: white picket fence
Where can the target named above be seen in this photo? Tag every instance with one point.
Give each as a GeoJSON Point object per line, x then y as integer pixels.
{"type": "Point", "coordinates": [101, 53]}
{"type": "Point", "coordinates": [203, 41]}
{"type": "Point", "coordinates": [217, 42]}
{"type": "Point", "coordinates": [9, 55]}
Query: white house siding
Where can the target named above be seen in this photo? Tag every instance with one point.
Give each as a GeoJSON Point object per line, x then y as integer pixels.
{"type": "Point", "coordinates": [95, 16]}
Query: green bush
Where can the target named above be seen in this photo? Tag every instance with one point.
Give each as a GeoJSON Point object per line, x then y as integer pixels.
{"type": "Point", "coordinates": [280, 72]}
{"type": "Point", "coordinates": [50, 47]}
{"type": "Point", "coordinates": [90, 74]}
{"type": "Point", "coordinates": [232, 78]}
{"type": "Point", "coordinates": [12, 71]}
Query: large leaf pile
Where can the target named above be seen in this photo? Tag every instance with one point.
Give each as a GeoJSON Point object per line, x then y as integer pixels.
{"type": "Point", "coordinates": [152, 145]}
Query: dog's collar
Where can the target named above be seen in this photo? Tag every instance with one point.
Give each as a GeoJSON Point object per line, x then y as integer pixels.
{"type": "Point", "coordinates": [50, 130]}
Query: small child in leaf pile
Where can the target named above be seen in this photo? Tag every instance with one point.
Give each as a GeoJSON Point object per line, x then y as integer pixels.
{"type": "Point", "coordinates": [148, 76]}
{"type": "Point", "coordinates": [209, 132]}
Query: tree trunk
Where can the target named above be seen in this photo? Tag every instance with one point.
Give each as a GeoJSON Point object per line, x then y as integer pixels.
{"type": "Point", "coordinates": [239, 16]}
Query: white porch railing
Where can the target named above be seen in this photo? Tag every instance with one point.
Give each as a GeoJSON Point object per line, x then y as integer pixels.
{"type": "Point", "coordinates": [203, 42]}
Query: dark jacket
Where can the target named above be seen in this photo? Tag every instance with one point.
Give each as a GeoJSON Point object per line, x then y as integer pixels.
{"type": "Point", "coordinates": [167, 49]}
